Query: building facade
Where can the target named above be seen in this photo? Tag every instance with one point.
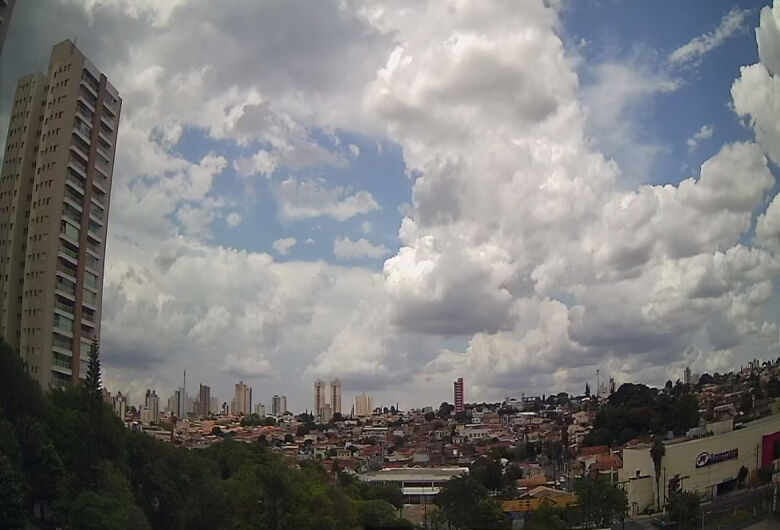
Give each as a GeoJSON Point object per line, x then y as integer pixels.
{"type": "Point", "coordinates": [458, 397]}
{"type": "Point", "coordinates": [364, 405]}
{"type": "Point", "coordinates": [335, 396]}
{"type": "Point", "coordinates": [55, 187]}
{"type": "Point", "coordinates": [152, 404]}
{"type": "Point", "coordinates": [243, 399]}
{"type": "Point", "coordinates": [260, 410]}
{"type": "Point", "coordinates": [204, 401]}
{"type": "Point", "coordinates": [319, 397]}
{"type": "Point", "coordinates": [707, 465]}
{"type": "Point", "coordinates": [278, 405]}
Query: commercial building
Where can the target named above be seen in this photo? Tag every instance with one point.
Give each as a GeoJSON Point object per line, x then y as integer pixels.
{"type": "Point", "coordinates": [242, 400]}
{"type": "Point", "coordinates": [459, 407]}
{"type": "Point", "coordinates": [55, 186]}
{"type": "Point", "coordinates": [418, 485]}
{"type": "Point", "coordinates": [152, 405]}
{"type": "Point", "coordinates": [204, 401]}
{"type": "Point", "coordinates": [364, 405]}
{"type": "Point", "coordinates": [319, 397]}
{"type": "Point", "coordinates": [278, 405]}
{"type": "Point", "coordinates": [707, 464]}
{"type": "Point", "coordinates": [6, 8]}
{"type": "Point", "coordinates": [335, 396]}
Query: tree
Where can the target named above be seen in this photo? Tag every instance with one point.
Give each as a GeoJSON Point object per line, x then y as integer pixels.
{"type": "Point", "coordinates": [445, 409]}
{"type": "Point", "coordinates": [464, 503]}
{"type": "Point", "coordinates": [92, 381]}
{"type": "Point", "coordinates": [657, 453]}
{"type": "Point", "coordinates": [741, 476]}
{"type": "Point", "coordinates": [12, 507]}
{"type": "Point", "coordinates": [600, 503]}
{"type": "Point", "coordinates": [684, 508]}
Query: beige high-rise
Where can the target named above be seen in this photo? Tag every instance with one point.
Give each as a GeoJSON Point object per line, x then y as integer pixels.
{"type": "Point", "coordinates": [319, 397]}
{"type": "Point", "coordinates": [335, 396]}
{"type": "Point", "coordinates": [55, 187]}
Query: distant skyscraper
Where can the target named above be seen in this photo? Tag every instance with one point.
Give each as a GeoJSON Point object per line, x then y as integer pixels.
{"type": "Point", "coordinates": [278, 405]}
{"type": "Point", "coordinates": [55, 186]}
{"type": "Point", "coordinates": [6, 8]}
{"type": "Point", "coordinates": [326, 414]}
{"type": "Point", "coordinates": [152, 404]}
{"type": "Point", "coordinates": [243, 399]}
{"type": "Point", "coordinates": [319, 397]}
{"type": "Point", "coordinates": [459, 395]}
{"type": "Point", "coordinates": [214, 405]}
{"type": "Point", "coordinates": [260, 410]}
{"type": "Point", "coordinates": [335, 396]}
{"type": "Point", "coordinates": [687, 379]}
{"type": "Point", "coordinates": [204, 401]}
{"type": "Point", "coordinates": [364, 405]}
{"type": "Point", "coordinates": [180, 402]}
{"type": "Point", "coordinates": [120, 405]}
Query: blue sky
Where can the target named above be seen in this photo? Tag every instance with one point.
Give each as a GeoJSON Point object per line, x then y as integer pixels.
{"type": "Point", "coordinates": [402, 193]}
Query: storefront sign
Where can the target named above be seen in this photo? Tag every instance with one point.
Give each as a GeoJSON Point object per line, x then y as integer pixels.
{"type": "Point", "coordinates": [707, 459]}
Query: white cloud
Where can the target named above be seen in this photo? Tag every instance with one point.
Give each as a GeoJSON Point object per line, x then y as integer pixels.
{"type": "Point", "coordinates": [310, 198]}
{"type": "Point", "coordinates": [283, 246]}
{"type": "Point", "coordinates": [705, 133]}
{"type": "Point", "coordinates": [233, 219]}
{"type": "Point", "coordinates": [733, 22]}
{"type": "Point", "coordinates": [346, 249]}
{"type": "Point", "coordinates": [523, 250]}
{"type": "Point", "coordinates": [355, 150]}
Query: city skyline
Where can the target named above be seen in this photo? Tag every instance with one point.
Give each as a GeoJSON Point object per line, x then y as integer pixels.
{"type": "Point", "coordinates": [329, 239]}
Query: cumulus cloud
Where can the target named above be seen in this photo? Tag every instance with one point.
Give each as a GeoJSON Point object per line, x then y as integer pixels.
{"type": "Point", "coordinates": [310, 198]}
{"type": "Point", "coordinates": [732, 23]}
{"type": "Point", "coordinates": [233, 219]}
{"type": "Point", "coordinates": [344, 248]}
{"type": "Point", "coordinates": [283, 246]}
{"type": "Point", "coordinates": [705, 133]}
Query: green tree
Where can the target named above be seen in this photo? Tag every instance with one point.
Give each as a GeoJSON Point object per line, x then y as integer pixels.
{"type": "Point", "coordinates": [13, 505]}
{"type": "Point", "coordinates": [600, 503]}
{"type": "Point", "coordinates": [684, 508]}
{"type": "Point", "coordinates": [92, 381]}
{"type": "Point", "coordinates": [657, 453]}
{"type": "Point", "coordinates": [464, 503]}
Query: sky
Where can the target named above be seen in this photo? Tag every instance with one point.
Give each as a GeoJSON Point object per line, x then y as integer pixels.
{"type": "Point", "coordinates": [402, 193]}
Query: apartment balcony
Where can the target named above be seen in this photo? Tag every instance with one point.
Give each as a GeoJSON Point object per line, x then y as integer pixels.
{"type": "Point", "coordinates": [83, 132]}
{"type": "Point", "coordinates": [103, 135]}
{"type": "Point", "coordinates": [109, 122]}
{"type": "Point", "coordinates": [61, 367]}
{"type": "Point", "coordinates": [68, 254]}
{"type": "Point", "coordinates": [76, 149]}
{"type": "Point", "coordinates": [94, 235]}
{"type": "Point", "coordinates": [61, 350]}
{"type": "Point", "coordinates": [85, 321]}
{"type": "Point", "coordinates": [75, 184]}
{"type": "Point", "coordinates": [86, 102]}
{"type": "Point", "coordinates": [78, 166]}
{"type": "Point", "coordinates": [90, 85]}
{"type": "Point", "coordinates": [65, 290]}
{"type": "Point", "coordinates": [94, 248]}
{"type": "Point", "coordinates": [64, 309]}
{"type": "Point", "coordinates": [89, 299]}
{"type": "Point", "coordinates": [96, 216]}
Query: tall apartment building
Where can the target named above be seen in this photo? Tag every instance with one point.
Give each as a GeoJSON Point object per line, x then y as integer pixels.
{"type": "Point", "coordinates": [364, 405]}
{"type": "Point", "coordinates": [55, 186]}
{"type": "Point", "coordinates": [243, 399]}
{"type": "Point", "coordinates": [6, 8]}
{"type": "Point", "coordinates": [152, 405]}
{"type": "Point", "coordinates": [319, 397]}
{"type": "Point", "coordinates": [278, 405]}
{"type": "Point", "coordinates": [204, 401]}
{"type": "Point", "coordinates": [335, 396]}
{"type": "Point", "coordinates": [459, 407]}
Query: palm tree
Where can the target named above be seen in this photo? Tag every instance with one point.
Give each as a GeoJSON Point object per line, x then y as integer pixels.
{"type": "Point", "coordinates": [657, 452]}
